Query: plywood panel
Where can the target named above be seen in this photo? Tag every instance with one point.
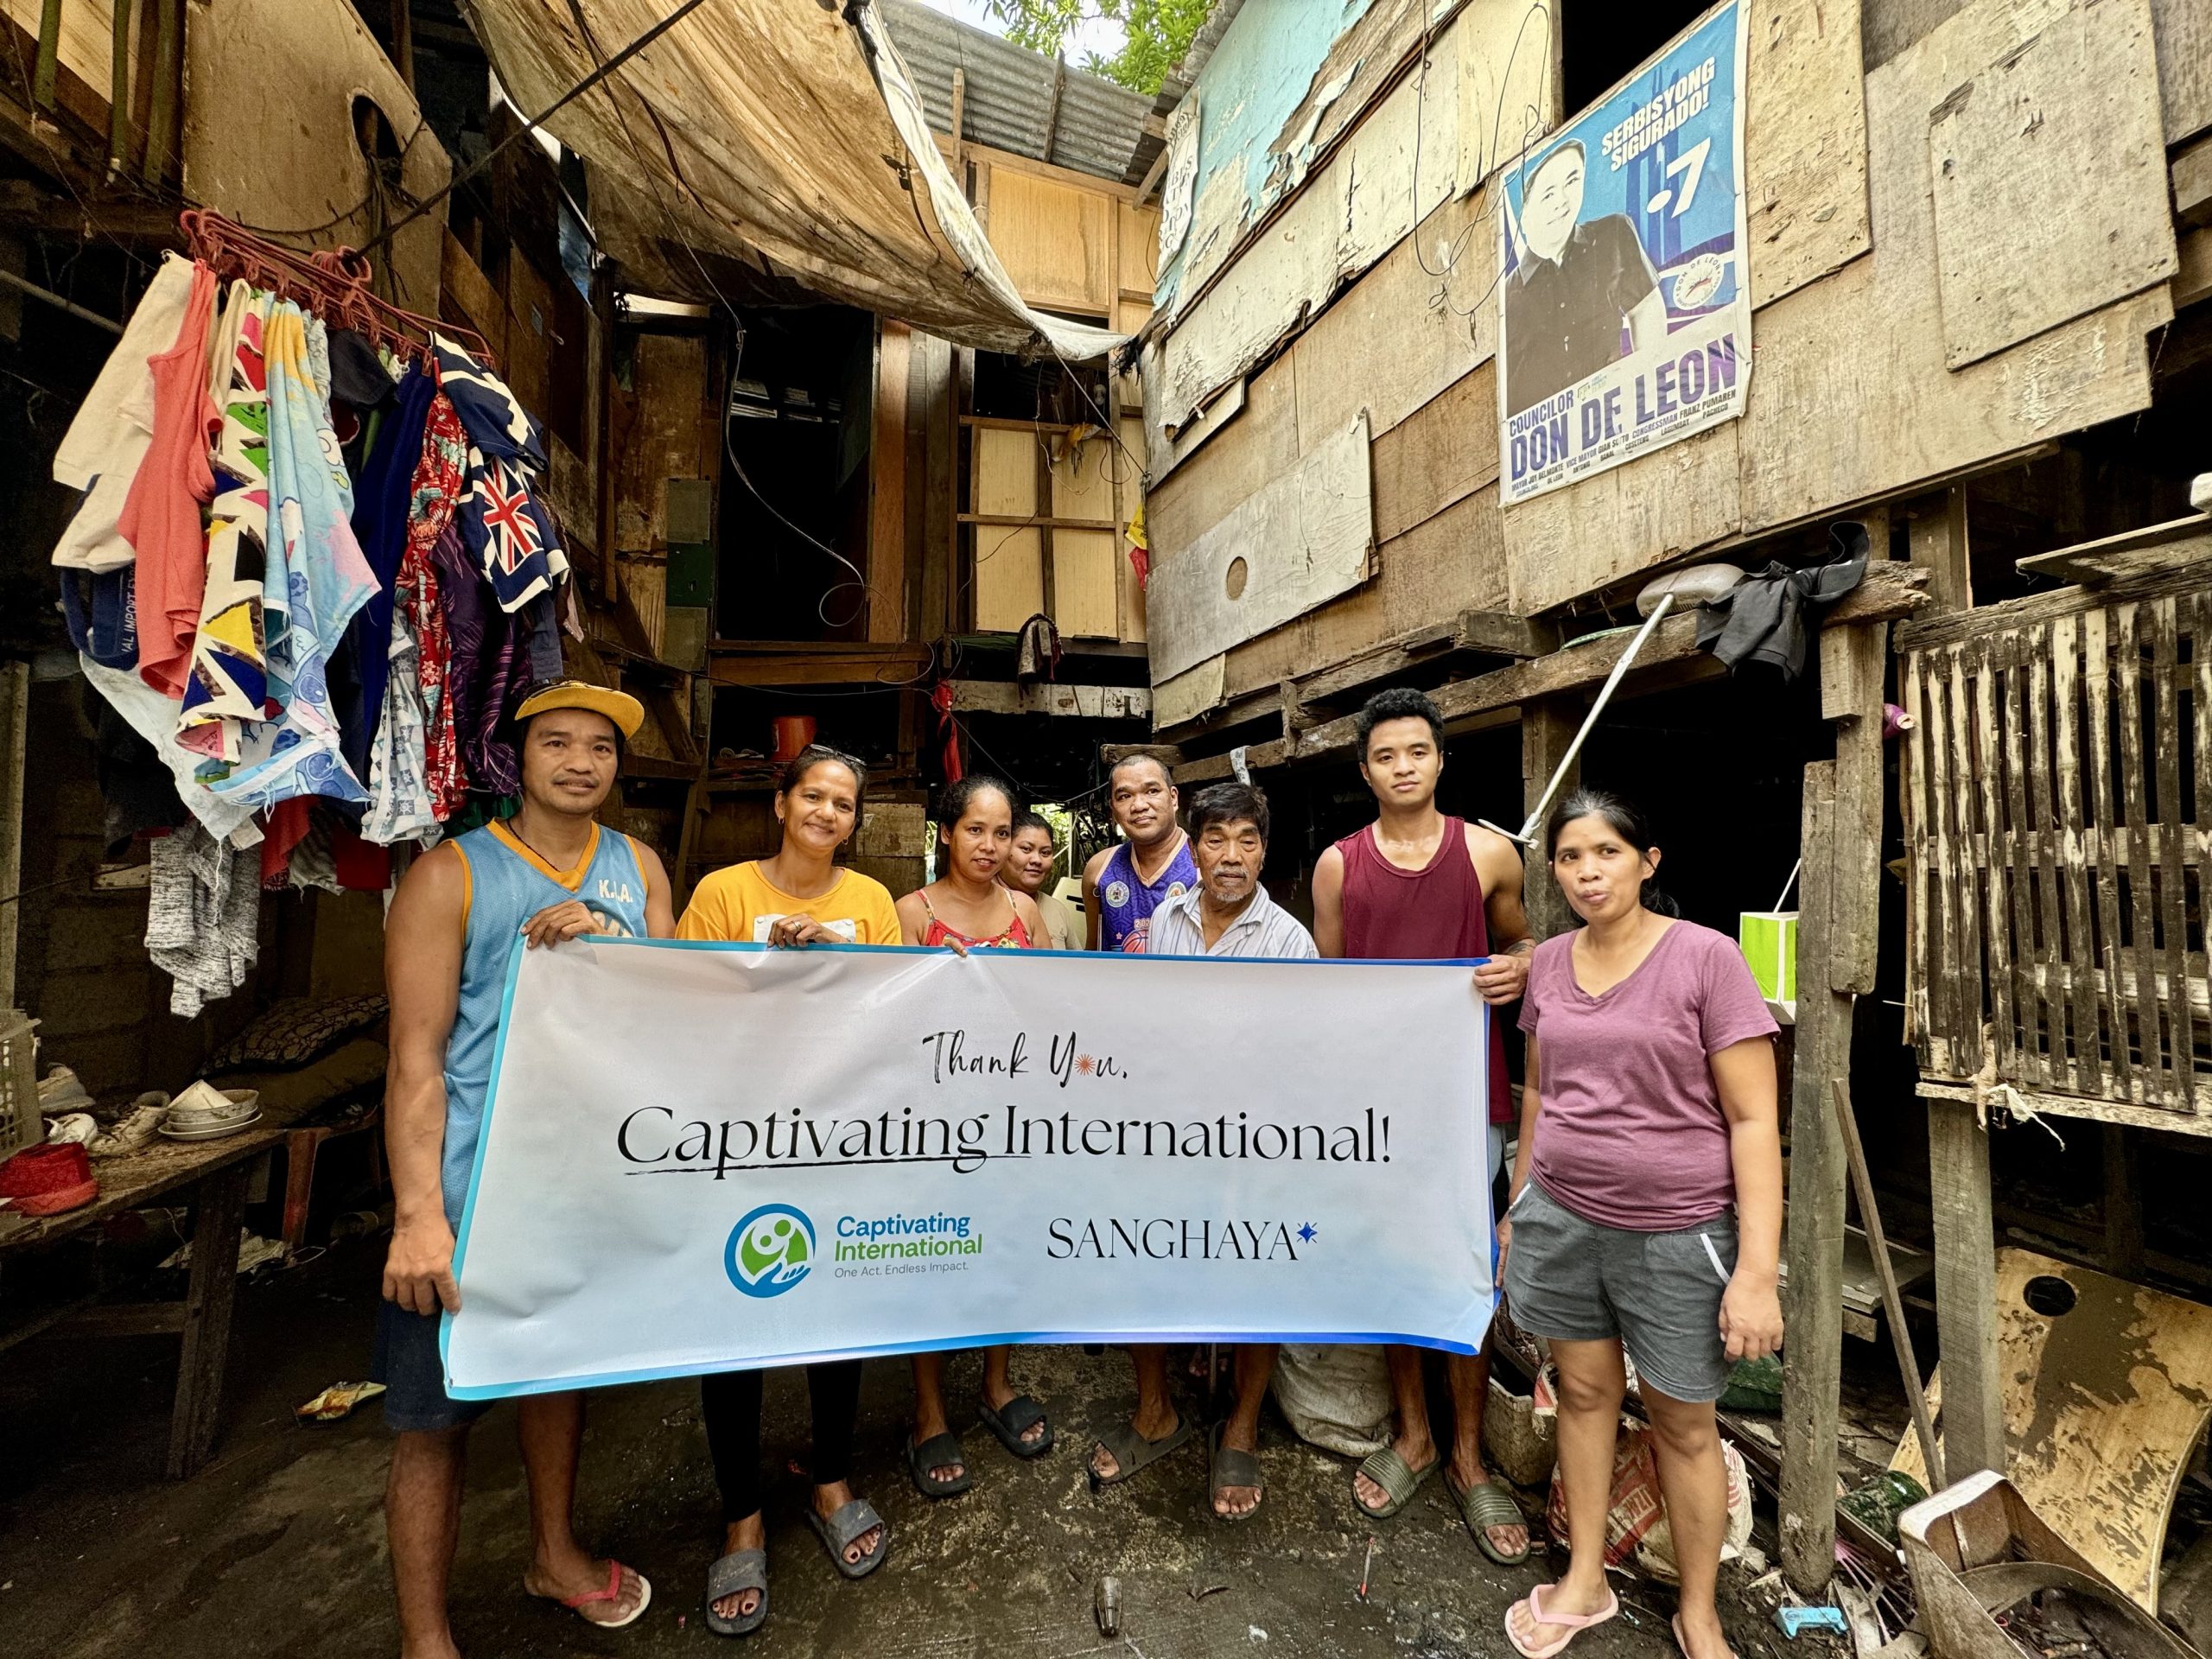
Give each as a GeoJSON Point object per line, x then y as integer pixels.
{"type": "Point", "coordinates": [529, 363]}
{"type": "Point", "coordinates": [1408, 329]}
{"type": "Point", "coordinates": [1085, 605]}
{"type": "Point", "coordinates": [1300, 540]}
{"type": "Point", "coordinates": [1139, 250]}
{"type": "Point", "coordinates": [1009, 577]}
{"type": "Point", "coordinates": [1260, 443]}
{"type": "Point", "coordinates": [1010, 564]}
{"type": "Point", "coordinates": [2185, 41]}
{"type": "Point", "coordinates": [88, 37]}
{"type": "Point", "coordinates": [1083, 482]}
{"type": "Point", "coordinates": [1452, 562]}
{"type": "Point", "coordinates": [1188, 695]}
{"type": "Point", "coordinates": [1350, 214]}
{"type": "Point", "coordinates": [1571, 541]}
{"type": "Point", "coordinates": [1805, 142]}
{"type": "Point", "coordinates": [1056, 241]}
{"type": "Point", "coordinates": [2105, 1400]}
{"type": "Point", "coordinates": [466, 296]}
{"type": "Point", "coordinates": [661, 428]}
{"type": "Point", "coordinates": [2078, 101]}
{"type": "Point", "coordinates": [1860, 353]}
{"type": "Point", "coordinates": [1441, 453]}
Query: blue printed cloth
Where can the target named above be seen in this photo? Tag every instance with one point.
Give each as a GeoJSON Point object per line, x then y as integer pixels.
{"type": "Point", "coordinates": [327, 580]}
{"type": "Point", "coordinates": [490, 413]}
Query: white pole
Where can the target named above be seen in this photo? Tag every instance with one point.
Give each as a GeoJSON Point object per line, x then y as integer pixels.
{"type": "Point", "coordinates": [1527, 837]}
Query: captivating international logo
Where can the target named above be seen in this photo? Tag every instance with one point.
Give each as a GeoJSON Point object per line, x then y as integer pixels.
{"type": "Point", "coordinates": [770, 1251]}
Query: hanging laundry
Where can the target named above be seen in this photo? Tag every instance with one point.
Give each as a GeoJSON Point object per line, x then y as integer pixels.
{"type": "Point", "coordinates": [383, 496]}
{"type": "Point", "coordinates": [508, 533]}
{"type": "Point", "coordinates": [282, 828]}
{"type": "Point", "coordinates": [203, 916]}
{"type": "Point", "coordinates": [100, 453]}
{"type": "Point", "coordinates": [153, 716]}
{"type": "Point", "coordinates": [493, 416]}
{"type": "Point", "coordinates": [97, 607]}
{"type": "Point", "coordinates": [439, 479]}
{"type": "Point", "coordinates": [359, 384]}
{"type": "Point", "coordinates": [326, 579]}
{"type": "Point", "coordinates": [161, 515]}
{"type": "Point", "coordinates": [137, 792]}
{"type": "Point", "coordinates": [229, 685]}
{"type": "Point", "coordinates": [487, 667]}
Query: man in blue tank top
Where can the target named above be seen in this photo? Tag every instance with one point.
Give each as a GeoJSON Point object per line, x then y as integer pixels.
{"type": "Point", "coordinates": [548, 874]}
{"type": "Point", "coordinates": [1124, 885]}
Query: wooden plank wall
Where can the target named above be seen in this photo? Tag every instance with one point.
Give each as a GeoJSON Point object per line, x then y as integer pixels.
{"type": "Point", "coordinates": [1849, 321]}
{"type": "Point", "coordinates": [664, 428]}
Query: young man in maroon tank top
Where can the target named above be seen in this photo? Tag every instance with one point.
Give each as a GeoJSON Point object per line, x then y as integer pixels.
{"type": "Point", "coordinates": [1416, 884]}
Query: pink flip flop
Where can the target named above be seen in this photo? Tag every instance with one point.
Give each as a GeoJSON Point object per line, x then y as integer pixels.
{"type": "Point", "coordinates": [613, 1592]}
{"type": "Point", "coordinates": [1573, 1624]}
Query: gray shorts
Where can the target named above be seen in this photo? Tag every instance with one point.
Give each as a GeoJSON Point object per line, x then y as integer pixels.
{"type": "Point", "coordinates": [1570, 1279]}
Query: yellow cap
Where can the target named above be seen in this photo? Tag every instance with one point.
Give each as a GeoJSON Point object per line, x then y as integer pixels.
{"type": "Point", "coordinates": [624, 710]}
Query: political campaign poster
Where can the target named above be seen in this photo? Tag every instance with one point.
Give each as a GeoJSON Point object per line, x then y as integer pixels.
{"type": "Point", "coordinates": [1624, 306]}
{"type": "Point", "coordinates": [711, 1157]}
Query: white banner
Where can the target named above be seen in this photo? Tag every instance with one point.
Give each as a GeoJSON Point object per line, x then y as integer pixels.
{"type": "Point", "coordinates": [707, 1157]}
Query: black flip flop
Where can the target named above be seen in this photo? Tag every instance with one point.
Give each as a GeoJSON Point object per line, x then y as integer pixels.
{"type": "Point", "coordinates": [1016, 1418]}
{"type": "Point", "coordinates": [937, 1452]}
{"type": "Point", "coordinates": [1227, 1466]}
{"type": "Point", "coordinates": [733, 1575]}
{"type": "Point", "coordinates": [1132, 1453]}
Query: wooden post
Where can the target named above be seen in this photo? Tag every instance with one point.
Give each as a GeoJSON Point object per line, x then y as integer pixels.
{"type": "Point", "coordinates": [1966, 1289]}
{"type": "Point", "coordinates": [1547, 728]}
{"type": "Point", "coordinates": [1958, 1142]}
{"type": "Point", "coordinates": [887, 536]}
{"type": "Point", "coordinates": [164, 119]}
{"type": "Point", "coordinates": [2123, 1215]}
{"type": "Point", "coordinates": [1813, 1309]}
{"type": "Point", "coordinates": [1938, 540]}
{"type": "Point", "coordinates": [1838, 912]}
{"type": "Point", "coordinates": [15, 707]}
{"type": "Point", "coordinates": [118, 92]}
{"type": "Point", "coordinates": [209, 1295]}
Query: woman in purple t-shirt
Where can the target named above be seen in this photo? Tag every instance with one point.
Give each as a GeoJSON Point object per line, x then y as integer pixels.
{"type": "Point", "coordinates": [1647, 1205]}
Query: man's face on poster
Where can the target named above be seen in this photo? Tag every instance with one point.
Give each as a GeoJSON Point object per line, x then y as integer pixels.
{"type": "Point", "coordinates": [1553, 203]}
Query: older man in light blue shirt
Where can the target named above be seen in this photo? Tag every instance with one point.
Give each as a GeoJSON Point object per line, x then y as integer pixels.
{"type": "Point", "coordinates": [1227, 914]}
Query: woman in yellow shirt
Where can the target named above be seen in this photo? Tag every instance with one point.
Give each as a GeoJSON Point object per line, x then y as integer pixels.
{"type": "Point", "coordinates": [800, 896]}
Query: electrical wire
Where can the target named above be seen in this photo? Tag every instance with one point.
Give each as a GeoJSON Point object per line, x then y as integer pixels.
{"type": "Point", "coordinates": [1484, 163]}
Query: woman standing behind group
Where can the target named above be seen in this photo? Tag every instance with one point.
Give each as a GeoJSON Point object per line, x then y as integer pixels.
{"type": "Point", "coordinates": [969, 908]}
{"type": "Point", "coordinates": [1647, 1206]}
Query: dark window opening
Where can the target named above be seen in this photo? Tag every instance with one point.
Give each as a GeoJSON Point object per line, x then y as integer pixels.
{"type": "Point", "coordinates": [1600, 44]}
{"type": "Point", "coordinates": [797, 401]}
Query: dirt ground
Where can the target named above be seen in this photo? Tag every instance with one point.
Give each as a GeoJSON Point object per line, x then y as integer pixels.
{"type": "Point", "coordinates": [277, 1548]}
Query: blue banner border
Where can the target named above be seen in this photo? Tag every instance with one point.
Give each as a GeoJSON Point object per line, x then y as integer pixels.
{"type": "Point", "coordinates": [657, 1373]}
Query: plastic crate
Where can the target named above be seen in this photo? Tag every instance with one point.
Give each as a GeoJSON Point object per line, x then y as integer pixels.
{"type": "Point", "coordinates": [20, 1123]}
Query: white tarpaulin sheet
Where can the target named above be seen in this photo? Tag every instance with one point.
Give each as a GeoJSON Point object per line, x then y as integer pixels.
{"type": "Point", "coordinates": [754, 129]}
{"type": "Point", "coordinates": [700, 1157]}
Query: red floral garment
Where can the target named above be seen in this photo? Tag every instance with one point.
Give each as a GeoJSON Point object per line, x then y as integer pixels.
{"type": "Point", "coordinates": [439, 483]}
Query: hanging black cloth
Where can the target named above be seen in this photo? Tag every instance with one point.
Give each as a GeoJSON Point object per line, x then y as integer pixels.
{"type": "Point", "coordinates": [1763, 619]}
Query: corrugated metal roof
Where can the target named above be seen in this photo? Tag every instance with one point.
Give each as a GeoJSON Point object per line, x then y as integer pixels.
{"type": "Point", "coordinates": [1008, 100]}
